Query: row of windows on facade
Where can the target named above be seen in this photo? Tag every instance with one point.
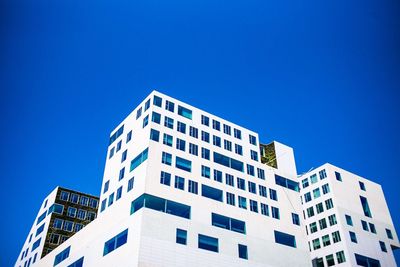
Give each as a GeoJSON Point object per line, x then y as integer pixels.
{"type": "Point", "coordinates": [230, 198]}
{"type": "Point", "coordinates": [73, 212]}
{"type": "Point", "coordinates": [330, 259]}
{"type": "Point", "coordinates": [75, 198]}
{"type": "Point", "coordinates": [322, 175]}
{"type": "Point", "coordinates": [67, 225]}
{"type": "Point", "coordinates": [180, 143]}
{"type": "Point", "coordinates": [367, 226]}
{"type": "Point", "coordinates": [205, 120]}
{"type": "Point", "coordinates": [28, 262]}
{"type": "Point", "coordinates": [319, 208]}
{"type": "Point", "coordinates": [117, 194]}
{"type": "Point", "coordinates": [316, 193]}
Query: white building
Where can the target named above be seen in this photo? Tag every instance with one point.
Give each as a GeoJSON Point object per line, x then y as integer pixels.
{"type": "Point", "coordinates": [182, 187]}
{"type": "Point", "coordinates": [347, 219]}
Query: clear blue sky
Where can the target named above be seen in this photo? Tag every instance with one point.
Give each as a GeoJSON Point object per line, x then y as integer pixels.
{"type": "Point", "coordinates": [321, 76]}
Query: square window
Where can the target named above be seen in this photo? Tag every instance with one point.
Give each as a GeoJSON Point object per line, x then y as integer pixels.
{"type": "Point", "coordinates": [181, 236]}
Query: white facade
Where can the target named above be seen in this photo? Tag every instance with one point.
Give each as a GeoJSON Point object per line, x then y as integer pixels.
{"type": "Point", "coordinates": [328, 228]}
{"type": "Point", "coordinates": [136, 174]}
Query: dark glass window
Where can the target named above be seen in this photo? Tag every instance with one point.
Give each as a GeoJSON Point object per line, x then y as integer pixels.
{"type": "Point", "coordinates": [285, 239]}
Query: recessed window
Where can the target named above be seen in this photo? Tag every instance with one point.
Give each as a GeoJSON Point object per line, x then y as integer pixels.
{"type": "Point", "coordinates": [130, 184]}
{"type": "Point", "coordinates": [119, 193]}
{"type": "Point", "coordinates": [218, 176]}
{"type": "Point", "coordinates": [169, 122]}
{"type": "Point", "coordinates": [205, 171]}
{"type": "Point", "coordinates": [252, 140]}
{"type": "Point", "coordinates": [338, 176]}
{"type": "Point", "coordinates": [228, 223]}
{"type": "Point", "coordinates": [179, 182]}
{"type": "Point", "coordinates": [252, 187]}
{"type": "Point", "coordinates": [273, 195]}
{"type": "Point", "coordinates": [336, 237]}
{"type": "Point", "coordinates": [183, 164]}
{"type": "Point", "coordinates": [208, 243]}
{"type": "Point", "coordinates": [193, 149]}
{"type": "Point", "coordinates": [156, 117]}
{"type": "Point", "coordinates": [157, 101]}
{"type": "Point", "coordinates": [170, 106]}
{"type": "Point", "coordinates": [242, 249]}
{"type": "Point", "coordinates": [181, 236]}
{"type": "Point", "coordinates": [330, 260]}
{"type": "Point", "coordinates": [216, 125]}
{"type": "Point", "coordinates": [193, 132]}
{"type": "Point", "coordinates": [216, 141]}
{"type": "Point", "coordinates": [353, 237]}
{"type": "Point", "coordinates": [115, 242]}
{"type": "Point", "coordinates": [154, 135]}
{"type": "Point", "coordinates": [62, 256]}
{"type": "Point", "coordinates": [211, 192]}
{"type": "Point", "coordinates": [260, 173]}
{"type": "Point", "coordinates": [145, 121]}
{"type": "Point", "coordinates": [180, 144]}
{"type": "Point", "coordinates": [326, 240]}
{"type": "Point", "coordinates": [230, 199]}
{"type": "Point", "coordinates": [205, 136]}
{"type": "Point", "coordinates": [184, 112]}
{"type": "Point", "coordinates": [340, 257]}
{"type": "Point", "coordinates": [242, 202]}
{"type": "Point", "coordinates": [166, 158]}
{"type": "Point", "coordinates": [238, 149]}
{"type": "Point", "coordinates": [275, 212]}
{"type": "Point", "coordinates": [253, 206]}
{"type": "Point", "coordinates": [295, 219]}
{"type": "Point", "coordinates": [349, 221]}
{"type": "Point", "coordinates": [285, 239]}
{"type": "Point", "coordinates": [325, 189]}
{"type": "Point", "coordinates": [205, 153]}
{"type": "Point", "coordinates": [365, 206]}
{"type": "Point", "coordinates": [241, 183]}
{"type": "Point", "coordinates": [167, 140]}
{"type": "Point", "coordinates": [227, 129]}
{"type": "Point", "coordinates": [332, 219]}
{"type": "Point", "coordinates": [322, 223]}
{"type": "Point", "coordinates": [383, 246]}
{"type": "Point", "coordinates": [322, 174]}
{"type": "Point", "coordinates": [262, 191]}
{"type": "Point", "coordinates": [193, 187]}
{"type": "Point", "coordinates": [205, 120]}
{"type": "Point", "coordinates": [313, 179]}
{"type": "Point", "coordinates": [237, 133]}
{"type": "Point", "coordinates": [165, 178]}
{"type": "Point", "coordinates": [389, 233]}
{"type": "Point", "coordinates": [305, 183]}
{"type": "Point", "coordinates": [264, 209]}
{"type": "Point", "coordinates": [364, 225]}
{"type": "Point", "coordinates": [316, 244]}
{"type": "Point", "coordinates": [181, 127]}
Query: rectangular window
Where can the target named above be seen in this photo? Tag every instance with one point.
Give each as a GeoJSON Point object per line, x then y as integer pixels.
{"type": "Point", "coordinates": [313, 179]}
{"type": "Point", "coordinates": [119, 193]}
{"type": "Point", "coordinates": [336, 237]}
{"type": "Point", "coordinates": [253, 206]}
{"type": "Point", "coordinates": [167, 140]}
{"type": "Point", "coordinates": [139, 159]}
{"type": "Point", "coordinates": [340, 257]}
{"type": "Point", "coordinates": [254, 155]}
{"type": "Point", "coordinates": [183, 164]}
{"type": "Point", "coordinates": [362, 186]}
{"type": "Point", "coordinates": [169, 122]}
{"type": "Point", "coordinates": [121, 174]}
{"type": "Point", "coordinates": [181, 127]}
{"type": "Point", "coordinates": [305, 183]}
{"type": "Point", "coordinates": [165, 178]}
{"type": "Point", "coordinates": [157, 101]}
{"type": "Point", "coordinates": [184, 112]}
{"type": "Point", "coordinates": [229, 179]}
{"type": "Point", "coordinates": [326, 241]}
{"type": "Point", "coordinates": [307, 197]}
{"type": "Point", "coordinates": [111, 199]}
{"type": "Point", "coordinates": [193, 132]}
{"type": "Point", "coordinates": [41, 218]}
{"type": "Point", "coordinates": [130, 184]}
{"type": "Point", "coordinates": [366, 261]}
{"type": "Point", "coordinates": [64, 195]}
{"type": "Point", "coordinates": [208, 243]}
{"type": "Point", "coordinates": [181, 236]}
{"type": "Point", "coordinates": [310, 212]}
{"type": "Point", "coordinates": [332, 219]}
{"type": "Point", "coordinates": [228, 162]}
{"type": "Point", "coordinates": [216, 141]}
{"type": "Point", "coordinates": [115, 242]}
{"type": "Point", "coordinates": [260, 173]}
{"type": "Point", "coordinates": [61, 256]}
{"type": "Point", "coordinates": [252, 139]}
{"type": "Point", "coordinates": [166, 158]}
{"type": "Point", "coordinates": [129, 137]}
{"type": "Point", "coordinates": [285, 239]}
{"type": "Point", "coordinates": [218, 176]}
{"type": "Point", "coordinates": [316, 193]}
{"type": "Point", "coordinates": [112, 150]}
{"type": "Point", "coordinates": [170, 106]}
{"type": "Point", "coordinates": [238, 149]}
{"type": "Point", "coordinates": [216, 125]}
{"type": "Point", "coordinates": [313, 227]}
{"type": "Point", "coordinates": [71, 212]}
{"type": "Point", "coordinates": [205, 120]}
{"type": "Point", "coordinates": [103, 205]}
{"type": "Point", "coordinates": [338, 176]}
{"type": "Point", "coordinates": [119, 144]}
{"type": "Point", "coordinates": [364, 225]}
{"type": "Point", "coordinates": [325, 189]}
{"type": "Point", "coordinates": [147, 105]}
{"type": "Point", "coordinates": [40, 229]}
{"type": "Point", "coordinates": [295, 219]}
{"type": "Point", "coordinates": [205, 153]}
{"type": "Point", "coordinates": [372, 228]}
{"type": "Point", "coordinates": [230, 199]}
{"type": "Point", "coordinates": [319, 207]}
{"type": "Point", "coordinates": [287, 183]}
{"type": "Point", "coordinates": [275, 212]}
{"type": "Point", "coordinates": [365, 206]}
{"type": "Point", "coordinates": [228, 223]}
{"type": "Point", "coordinates": [273, 195]}
{"type": "Point", "coordinates": [162, 205]}
{"type": "Point", "coordinates": [227, 129]}
{"type": "Point", "coordinates": [78, 263]}
{"type": "Point", "coordinates": [211, 192]}
{"type": "Point", "coordinates": [156, 117]}
{"type": "Point", "coordinates": [242, 250]}
{"type": "Point", "coordinates": [322, 174]}
{"type": "Point", "coordinates": [237, 133]}
{"type": "Point", "coordinates": [383, 246]}
{"type": "Point", "coordinates": [241, 183]}
{"type": "Point", "coordinates": [205, 171]}
{"type": "Point", "coordinates": [179, 182]}
{"type": "Point", "coordinates": [353, 237]}
{"type": "Point", "coordinates": [322, 223]}
{"type": "Point", "coordinates": [252, 187]}
{"type": "Point", "coordinates": [349, 221]}
{"type": "Point", "coordinates": [139, 113]}
{"type": "Point", "coordinates": [329, 204]}
{"type": "Point", "coordinates": [193, 187]}
{"type": "Point", "coordinates": [117, 134]}
{"type": "Point", "coordinates": [205, 136]}
{"type": "Point", "coordinates": [154, 135]}
{"type": "Point", "coordinates": [264, 209]}
{"type": "Point", "coordinates": [250, 170]}
{"type": "Point", "coordinates": [389, 233]}
{"type": "Point", "coordinates": [330, 260]}
{"type": "Point", "coordinates": [57, 224]}
{"type": "Point", "coordinates": [242, 202]}
{"type": "Point", "coordinates": [180, 144]}
{"type": "Point", "coordinates": [145, 121]}
{"type": "Point", "coordinates": [193, 149]}
{"type": "Point", "coordinates": [228, 145]}
{"type": "Point", "coordinates": [316, 244]}
{"type": "Point", "coordinates": [262, 190]}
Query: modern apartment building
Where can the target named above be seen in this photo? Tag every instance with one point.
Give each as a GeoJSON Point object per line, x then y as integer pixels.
{"type": "Point", "coordinates": [347, 219]}
{"type": "Point", "coordinates": [183, 187]}
{"type": "Point", "coordinates": [63, 213]}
